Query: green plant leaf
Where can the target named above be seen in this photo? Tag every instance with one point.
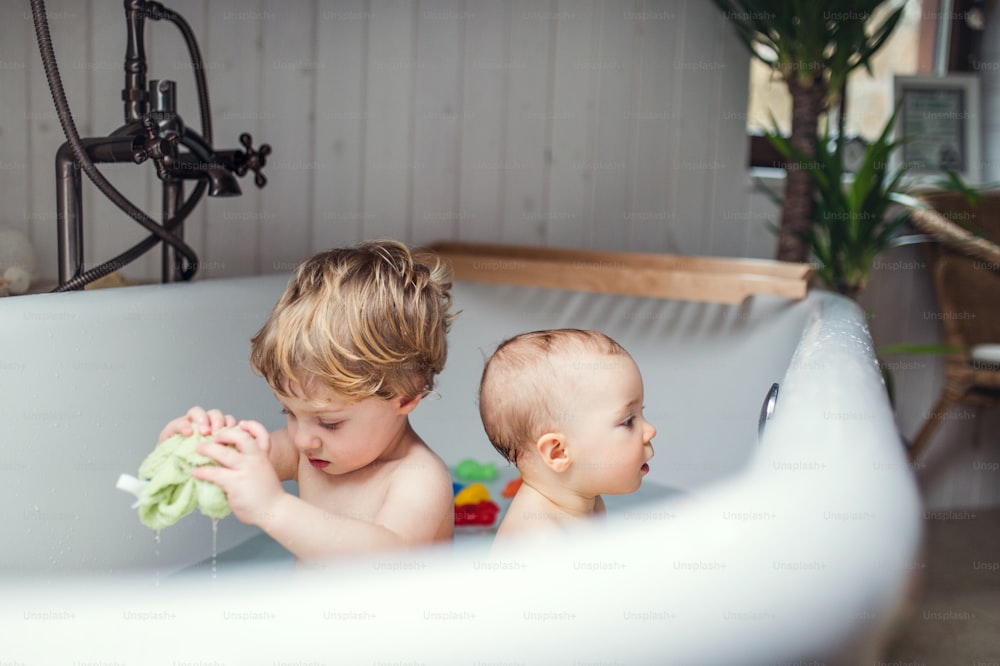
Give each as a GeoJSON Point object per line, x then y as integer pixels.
{"type": "Point", "coordinates": [919, 349]}
{"type": "Point", "coordinates": [813, 46]}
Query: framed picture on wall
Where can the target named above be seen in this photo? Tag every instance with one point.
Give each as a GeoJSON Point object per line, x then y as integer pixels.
{"type": "Point", "coordinates": [940, 118]}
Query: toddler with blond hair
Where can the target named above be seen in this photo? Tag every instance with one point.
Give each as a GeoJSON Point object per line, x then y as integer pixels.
{"type": "Point", "coordinates": [350, 349]}
{"type": "Point", "coordinates": [565, 406]}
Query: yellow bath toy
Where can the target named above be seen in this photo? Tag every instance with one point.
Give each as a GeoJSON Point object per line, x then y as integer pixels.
{"type": "Point", "coordinates": [473, 493]}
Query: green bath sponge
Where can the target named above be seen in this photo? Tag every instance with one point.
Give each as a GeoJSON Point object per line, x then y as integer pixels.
{"type": "Point", "coordinates": [171, 493]}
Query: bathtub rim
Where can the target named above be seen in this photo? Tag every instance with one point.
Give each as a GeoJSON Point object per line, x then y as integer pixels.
{"type": "Point", "coordinates": [97, 598]}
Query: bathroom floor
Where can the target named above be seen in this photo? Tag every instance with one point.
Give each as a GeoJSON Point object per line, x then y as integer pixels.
{"type": "Point", "coordinates": [955, 615]}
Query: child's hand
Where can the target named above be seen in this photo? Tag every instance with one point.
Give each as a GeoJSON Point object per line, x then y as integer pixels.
{"type": "Point", "coordinates": [246, 474]}
{"type": "Point", "coordinates": [207, 423]}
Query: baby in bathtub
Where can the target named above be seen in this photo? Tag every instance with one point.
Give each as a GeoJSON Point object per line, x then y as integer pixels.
{"type": "Point", "coordinates": [565, 406]}
{"type": "Point", "coordinates": [350, 349]}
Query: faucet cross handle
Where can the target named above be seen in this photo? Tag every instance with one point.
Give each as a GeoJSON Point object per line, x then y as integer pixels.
{"type": "Point", "coordinates": [162, 150]}
{"type": "Point", "coordinates": [254, 160]}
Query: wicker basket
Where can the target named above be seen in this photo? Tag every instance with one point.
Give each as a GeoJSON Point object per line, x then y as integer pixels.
{"type": "Point", "coordinates": [945, 207]}
{"type": "Point", "coordinates": [965, 271]}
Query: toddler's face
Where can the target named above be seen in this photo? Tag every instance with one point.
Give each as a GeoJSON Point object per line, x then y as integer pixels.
{"type": "Point", "coordinates": [338, 436]}
{"type": "Point", "coordinates": [609, 440]}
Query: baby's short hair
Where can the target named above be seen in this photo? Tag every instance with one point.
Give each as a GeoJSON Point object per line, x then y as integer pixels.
{"type": "Point", "coordinates": [517, 389]}
{"type": "Point", "coordinates": [362, 321]}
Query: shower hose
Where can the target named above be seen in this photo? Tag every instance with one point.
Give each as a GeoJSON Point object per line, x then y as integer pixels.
{"type": "Point", "coordinates": [159, 232]}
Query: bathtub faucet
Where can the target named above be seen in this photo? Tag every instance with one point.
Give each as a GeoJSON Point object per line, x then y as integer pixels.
{"type": "Point", "coordinates": [767, 409]}
{"type": "Point", "coordinates": [153, 132]}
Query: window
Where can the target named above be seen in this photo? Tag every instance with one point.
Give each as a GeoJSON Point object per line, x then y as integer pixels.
{"type": "Point", "coordinates": [869, 97]}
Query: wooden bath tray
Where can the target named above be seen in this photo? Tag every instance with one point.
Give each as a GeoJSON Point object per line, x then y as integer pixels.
{"type": "Point", "coordinates": [713, 279]}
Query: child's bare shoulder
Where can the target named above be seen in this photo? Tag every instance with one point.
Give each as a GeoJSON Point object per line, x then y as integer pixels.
{"type": "Point", "coordinates": [421, 464]}
{"type": "Point", "coordinates": [528, 512]}
{"type": "Point", "coordinates": [419, 478]}
{"type": "Point", "coordinates": [529, 523]}
{"type": "Point", "coordinates": [418, 498]}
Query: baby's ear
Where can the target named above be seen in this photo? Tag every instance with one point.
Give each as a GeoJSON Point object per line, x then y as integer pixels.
{"type": "Point", "coordinates": [553, 452]}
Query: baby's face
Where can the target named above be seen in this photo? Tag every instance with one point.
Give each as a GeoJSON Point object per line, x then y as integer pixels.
{"type": "Point", "coordinates": [338, 436]}
{"type": "Point", "coordinates": [609, 440]}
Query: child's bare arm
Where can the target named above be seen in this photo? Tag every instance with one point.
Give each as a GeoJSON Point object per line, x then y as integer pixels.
{"type": "Point", "coordinates": [413, 513]}
{"type": "Point", "coordinates": [284, 456]}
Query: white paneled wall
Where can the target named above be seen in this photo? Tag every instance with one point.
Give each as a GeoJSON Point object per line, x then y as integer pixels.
{"type": "Point", "coordinates": [586, 123]}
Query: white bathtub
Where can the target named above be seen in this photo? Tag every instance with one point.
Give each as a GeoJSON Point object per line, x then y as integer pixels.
{"type": "Point", "coordinates": [791, 550]}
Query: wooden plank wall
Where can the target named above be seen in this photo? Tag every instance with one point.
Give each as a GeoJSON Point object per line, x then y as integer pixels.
{"type": "Point", "coordinates": [588, 123]}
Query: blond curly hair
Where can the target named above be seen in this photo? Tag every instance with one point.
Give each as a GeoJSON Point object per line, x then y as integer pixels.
{"type": "Point", "coordinates": [362, 321]}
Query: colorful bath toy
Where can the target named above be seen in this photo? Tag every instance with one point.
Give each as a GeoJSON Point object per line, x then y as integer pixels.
{"type": "Point", "coordinates": [512, 487]}
{"type": "Point", "coordinates": [472, 494]}
{"type": "Point", "coordinates": [473, 470]}
{"type": "Point", "coordinates": [456, 487]}
{"type": "Point", "coordinates": [166, 491]}
{"type": "Point", "coordinates": [481, 513]}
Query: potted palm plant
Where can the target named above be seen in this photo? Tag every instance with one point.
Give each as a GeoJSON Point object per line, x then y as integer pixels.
{"type": "Point", "coordinates": [859, 215]}
{"type": "Point", "coordinates": [813, 47]}
{"type": "Point", "coordinates": [855, 216]}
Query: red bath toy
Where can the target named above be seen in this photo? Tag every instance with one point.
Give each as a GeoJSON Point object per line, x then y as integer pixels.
{"type": "Point", "coordinates": [480, 513]}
